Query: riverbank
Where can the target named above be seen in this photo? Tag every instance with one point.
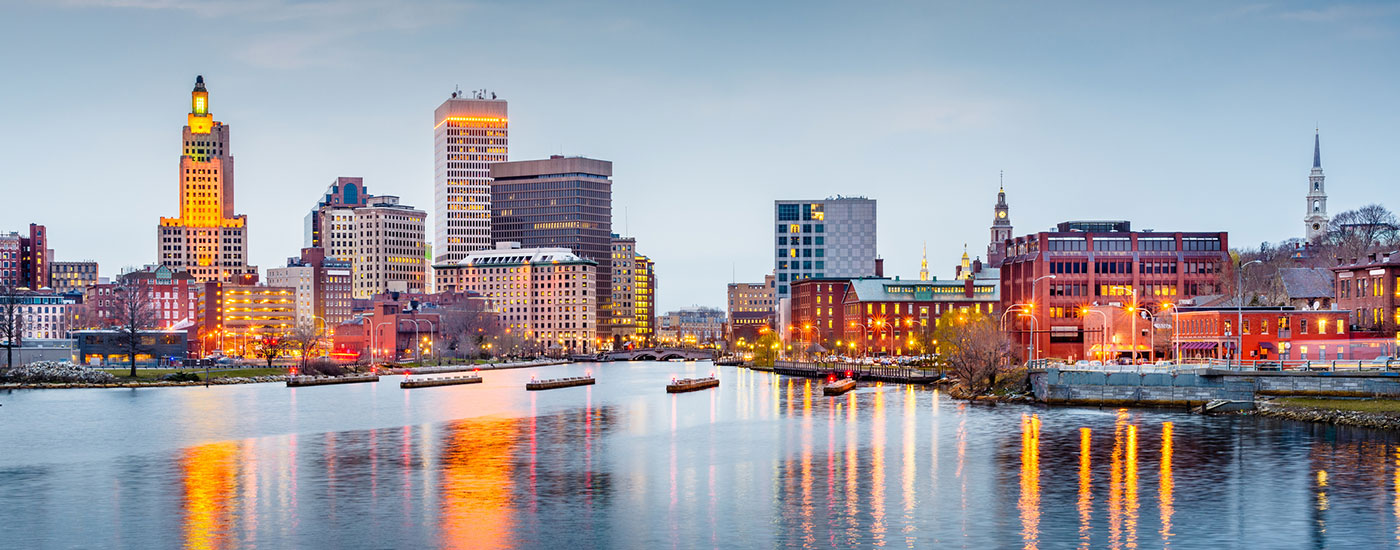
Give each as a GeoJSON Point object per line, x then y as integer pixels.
{"type": "Point", "coordinates": [1383, 414]}
{"type": "Point", "coordinates": [213, 381]}
{"type": "Point", "coordinates": [484, 366]}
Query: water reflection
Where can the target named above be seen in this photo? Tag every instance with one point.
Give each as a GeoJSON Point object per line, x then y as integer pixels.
{"type": "Point", "coordinates": [763, 461]}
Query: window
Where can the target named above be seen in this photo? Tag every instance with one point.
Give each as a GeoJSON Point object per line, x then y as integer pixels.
{"type": "Point", "coordinates": [1341, 328]}
{"type": "Point", "coordinates": [1303, 328]}
{"type": "Point", "coordinates": [788, 212]}
{"type": "Point", "coordinates": [1322, 326]}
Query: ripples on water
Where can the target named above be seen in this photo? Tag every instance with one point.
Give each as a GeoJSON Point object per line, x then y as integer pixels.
{"type": "Point", "coordinates": [762, 461]}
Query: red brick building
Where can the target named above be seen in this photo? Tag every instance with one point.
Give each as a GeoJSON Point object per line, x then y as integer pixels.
{"type": "Point", "coordinates": [24, 260]}
{"type": "Point", "coordinates": [1370, 288]}
{"type": "Point", "coordinates": [1270, 334]}
{"type": "Point", "coordinates": [397, 325]}
{"type": "Point", "coordinates": [881, 316]}
{"type": "Point", "coordinates": [1057, 274]}
{"type": "Point", "coordinates": [172, 297]}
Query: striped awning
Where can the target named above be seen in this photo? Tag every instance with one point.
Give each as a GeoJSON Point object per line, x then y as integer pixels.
{"type": "Point", "coordinates": [1198, 345]}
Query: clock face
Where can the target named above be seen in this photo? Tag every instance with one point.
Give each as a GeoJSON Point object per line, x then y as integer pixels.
{"type": "Point", "coordinates": [1316, 227]}
{"type": "Point", "coordinates": [1001, 214]}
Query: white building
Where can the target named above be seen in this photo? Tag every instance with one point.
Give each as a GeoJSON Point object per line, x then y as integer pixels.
{"type": "Point", "coordinates": [546, 295]}
{"type": "Point", "coordinates": [469, 133]}
{"type": "Point", "coordinates": [303, 279]}
{"type": "Point", "coordinates": [1315, 220]}
{"type": "Point", "coordinates": [389, 248]}
{"type": "Point", "coordinates": [44, 314]}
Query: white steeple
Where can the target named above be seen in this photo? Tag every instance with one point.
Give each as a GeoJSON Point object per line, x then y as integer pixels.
{"type": "Point", "coordinates": [1315, 219]}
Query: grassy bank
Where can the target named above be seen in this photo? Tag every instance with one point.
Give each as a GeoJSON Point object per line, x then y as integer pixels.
{"type": "Point", "coordinates": [152, 374]}
{"type": "Point", "coordinates": [1381, 406]}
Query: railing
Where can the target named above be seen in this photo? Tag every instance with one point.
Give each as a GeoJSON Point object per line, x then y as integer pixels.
{"type": "Point", "coordinates": [857, 370]}
{"type": "Point", "coordinates": [1224, 364]}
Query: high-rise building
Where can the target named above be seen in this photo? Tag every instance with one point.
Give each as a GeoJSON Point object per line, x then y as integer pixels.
{"type": "Point", "coordinates": [558, 202]}
{"type": "Point", "coordinates": [469, 134]}
{"type": "Point", "coordinates": [1001, 230]}
{"type": "Point", "coordinates": [72, 276]}
{"type": "Point", "coordinates": [24, 260]}
{"type": "Point", "coordinates": [623, 323]}
{"type": "Point", "coordinates": [644, 305]}
{"type": "Point", "coordinates": [207, 239]}
{"type": "Point", "coordinates": [343, 193]}
{"type": "Point", "coordinates": [546, 295]}
{"type": "Point", "coordinates": [832, 238]}
{"type": "Point", "coordinates": [388, 247]}
{"type": "Point", "coordinates": [1315, 221]}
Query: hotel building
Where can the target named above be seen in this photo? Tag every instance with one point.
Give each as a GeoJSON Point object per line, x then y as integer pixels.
{"type": "Point", "coordinates": [207, 239]}
{"type": "Point", "coordinates": [469, 134]}
{"type": "Point", "coordinates": [546, 295]}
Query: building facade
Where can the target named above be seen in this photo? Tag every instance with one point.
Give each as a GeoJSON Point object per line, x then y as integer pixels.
{"type": "Point", "coordinates": [208, 239]}
{"type": "Point", "coordinates": [1058, 274]}
{"type": "Point", "coordinates": [389, 248]}
{"type": "Point", "coordinates": [831, 238]}
{"type": "Point", "coordinates": [343, 193]}
{"type": "Point", "coordinates": [750, 308]}
{"type": "Point", "coordinates": [44, 314]}
{"type": "Point", "coordinates": [72, 276]}
{"type": "Point", "coordinates": [881, 316]}
{"type": "Point", "coordinates": [230, 317]}
{"type": "Point", "coordinates": [469, 134]}
{"type": "Point", "coordinates": [623, 322]}
{"type": "Point", "coordinates": [302, 279]}
{"type": "Point", "coordinates": [171, 297]}
{"type": "Point", "coordinates": [1315, 219]}
{"type": "Point", "coordinates": [561, 202]}
{"type": "Point", "coordinates": [645, 303]}
{"type": "Point", "coordinates": [1369, 287]}
{"type": "Point", "coordinates": [24, 259]}
{"type": "Point", "coordinates": [697, 326]}
{"type": "Point", "coordinates": [1269, 334]}
{"type": "Point", "coordinates": [545, 295]}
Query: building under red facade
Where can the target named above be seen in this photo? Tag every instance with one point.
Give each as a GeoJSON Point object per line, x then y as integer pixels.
{"type": "Point", "coordinates": [1057, 275]}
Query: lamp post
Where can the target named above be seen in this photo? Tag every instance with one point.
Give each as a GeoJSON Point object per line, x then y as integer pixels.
{"type": "Point", "coordinates": [1030, 342]}
{"type": "Point", "coordinates": [417, 343]}
{"type": "Point", "coordinates": [1031, 302]}
{"type": "Point", "coordinates": [1239, 304]}
{"type": "Point", "coordinates": [373, 351]}
{"type": "Point", "coordinates": [864, 337]}
{"type": "Point", "coordinates": [1103, 329]}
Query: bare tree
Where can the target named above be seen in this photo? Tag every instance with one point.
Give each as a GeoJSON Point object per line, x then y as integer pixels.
{"type": "Point", "coordinates": [305, 338]}
{"type": "Point", "coordinates": [133, 314]}
{"type": "Point", "coordinates": [11, 323]}
{"type": "Point", "coordinates": [974, 349]}
{"type": "Point", "coordinates": [1353, 232]}
{"type": "Point", "coordinates": [270, 346]}
{"type": "Point", "coordinates": [467, 327]}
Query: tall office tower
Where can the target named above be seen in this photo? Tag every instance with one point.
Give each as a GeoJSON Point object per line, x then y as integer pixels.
{"type": "Point", "coordinates": [469, 133]}
{"type": "Point", "coordinates": [624, 290]}
{"type": "Point", "coordinates": [388, 248]}
{"type": "Point", "coordinates": [208, 239]}
{"type": "Point", "coordinates": [559, 202]}
{"type": "Point", "coordinates": [832, 238]}
{"type": "Point", "coordinates": [342, 193]}
{"type": "Point", "coordinates": [645, 304]}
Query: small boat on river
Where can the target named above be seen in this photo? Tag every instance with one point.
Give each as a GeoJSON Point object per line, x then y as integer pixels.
{"type": "Point", "coordinates": [691, 384]}
{"type": "Point", "coordinates": [838, 387]}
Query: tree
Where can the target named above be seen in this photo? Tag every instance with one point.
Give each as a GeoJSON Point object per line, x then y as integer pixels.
{"type": "Point", "coordinates": [133, 314]}
{"type": "Point", "coordinates": [1354, 232]}
{"type": "Point", "coordinates": [11, 323]}
{"type": "Point", "coordinates": [305, 338]}
{"type": "Point", "coordinates": [974, 349]}
{"type": "Point", "coordinates": [466, 327]}
{"type": "Point", "coordinates": [765, 350]}
{"type": "Point", "coordinates": [269, 346]}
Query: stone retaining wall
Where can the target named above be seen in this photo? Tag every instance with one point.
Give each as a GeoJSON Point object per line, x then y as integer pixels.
{"type": "Point", "coordinates": [1202, 385]}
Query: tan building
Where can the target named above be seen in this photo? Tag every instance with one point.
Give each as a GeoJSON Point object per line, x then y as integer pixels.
{"type": "Point", "coordinates": [231, 317]}
{"type": "Point", "coordinates": [389, 248]}
{"type": "Point", "coordinates": [208, 239]}
{"type": "Point", "coordinates": [623, 321]}
{"type": "Point", "coordinates": [545, 295]}
{"type": "Point", "coordinates": [338, 233]}
{"type": "Point", "coordinates": [302, 279]}
{"type": "Point", "coordinates": [752, 297]}
{"type": "Point", "coordinates": [72, 276]}
{"type": "Point", "coordinates": [469, 133]}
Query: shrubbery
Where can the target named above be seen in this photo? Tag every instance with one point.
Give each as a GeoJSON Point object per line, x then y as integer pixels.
{"type": "Point", "coordinates": [181, 377]}
{"type": "Point", "coordinates": [55, 372]}
{"type": "Point", "coordinates": [322, 367]}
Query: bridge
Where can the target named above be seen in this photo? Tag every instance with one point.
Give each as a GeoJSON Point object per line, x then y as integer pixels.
{"type": "Point", "coordinates": [659, 354]}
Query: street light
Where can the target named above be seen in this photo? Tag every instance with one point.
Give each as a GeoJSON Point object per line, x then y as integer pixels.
{"type": "Point", "coordinates": [1239, 304]}
{"type": "Point", "coordinates": [1103, 330]}
{"type": "Point", "coordinates": [1029, 311]}
{"type": "Point", "coordinates": [1031, 302]}
{"type": "Point", "coordinates": [865, 338]}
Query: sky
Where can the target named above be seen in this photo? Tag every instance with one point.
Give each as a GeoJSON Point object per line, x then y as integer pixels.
{"type": "Point", "coordinates": [1180, 116]}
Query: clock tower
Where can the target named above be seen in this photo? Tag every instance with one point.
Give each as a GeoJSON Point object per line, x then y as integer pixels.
{"type": "Point", "coordinates": [1001, 230]}
{"type": "Point", "coordinates": [1315, 219]}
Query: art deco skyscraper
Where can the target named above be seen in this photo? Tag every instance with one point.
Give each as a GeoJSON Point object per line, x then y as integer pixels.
{"type": "Point", "coordinates": [208, 240]}
{"type": "Point", "coordinates": [469, 133]}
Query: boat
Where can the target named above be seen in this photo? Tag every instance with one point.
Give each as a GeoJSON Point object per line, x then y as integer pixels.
{"type": "Point", "coordinates": [691, 384]}
{"type": "Point", "coordinates": [838, 387]}
{"type": "Point", "coordinates": [441, 381]}
{"type": "Point", "coordinates": [553, 383]}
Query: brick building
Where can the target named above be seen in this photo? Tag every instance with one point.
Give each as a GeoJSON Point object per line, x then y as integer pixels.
{"type": "Point", "coordinates": [72, 276]}
{"type": "Point", "coordinates": [1270, 334]}
{"type": "Point", "coordinates": [881, 316]}
{"type": "Point", "coordinates": [24, 259]}
{"type": "Point", "coordinates": [1369, 287]}
{"type": "Point", "coordinates": [1058, 274]}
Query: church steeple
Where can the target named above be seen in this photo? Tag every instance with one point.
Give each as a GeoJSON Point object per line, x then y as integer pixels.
{"type": "Point", "coordinates": [1315, 217]}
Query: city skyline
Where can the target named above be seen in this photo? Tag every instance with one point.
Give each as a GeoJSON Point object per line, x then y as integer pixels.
{"type": "Point", "coordinates": [940, 110]}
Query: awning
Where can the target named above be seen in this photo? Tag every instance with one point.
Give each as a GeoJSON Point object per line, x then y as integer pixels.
{"type": "Point", "coordinates": [1268, 346]}
{"type": "Point", "coordinates": [1198, 345]}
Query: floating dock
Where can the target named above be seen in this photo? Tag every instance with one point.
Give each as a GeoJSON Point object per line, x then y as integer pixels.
{"type": "Point", "coordinates": [691, 384]}
{"type": "Point", "coordinates": [559, 383]}
{"type": "Point", "coordinates": [443, 381]}
{"type": "Point", "coordinates": [298, 381]}
{"type": "Point", "coordinates": [839, 387]}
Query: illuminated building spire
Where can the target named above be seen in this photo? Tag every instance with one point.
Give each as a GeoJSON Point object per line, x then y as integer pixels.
{"type": "Point", "coordinates": [199, 119]}
{"type": "Point", "coordinates": [923, 266]}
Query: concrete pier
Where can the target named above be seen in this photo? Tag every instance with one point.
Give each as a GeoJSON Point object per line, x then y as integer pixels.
{"type": "Point", "coordinates": [691, 384]}
{"type": "Point", "coordinates": [554, 383]}
{"type": "Point", "coordinates": [298, 381]}
{"type": "Point", "coordinates": [408, 383]}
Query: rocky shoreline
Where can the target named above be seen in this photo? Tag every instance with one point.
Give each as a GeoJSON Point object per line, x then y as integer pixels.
{"type": "Point", "coordinates": [221, 381]}
{"type": "Point", "coordinates": [1380, 421]}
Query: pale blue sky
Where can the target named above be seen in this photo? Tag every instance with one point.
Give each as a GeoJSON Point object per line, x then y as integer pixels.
{"type": "Point", "coordinates": [1178, 116]}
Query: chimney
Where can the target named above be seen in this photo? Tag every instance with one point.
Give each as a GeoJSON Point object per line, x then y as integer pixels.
{"type": "Point", "coordinates": [977, 266]}
{"type": "Point", "coordinates": [879, 267]}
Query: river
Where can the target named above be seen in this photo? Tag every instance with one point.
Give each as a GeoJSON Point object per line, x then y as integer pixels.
{"type": "Point", "coordinates": [762, 461]}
